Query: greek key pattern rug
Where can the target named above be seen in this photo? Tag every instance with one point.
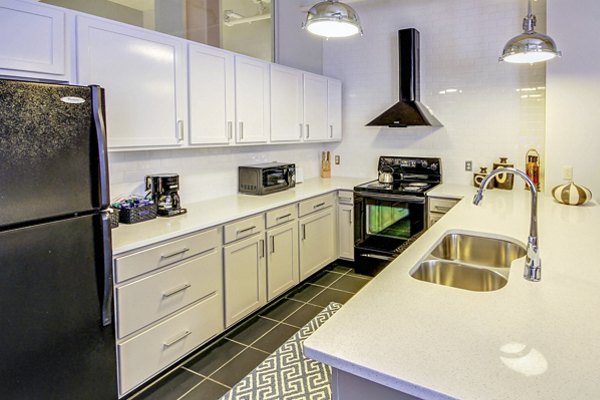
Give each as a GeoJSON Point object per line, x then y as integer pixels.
{"type": "Point", "coordinates": [287, 374]}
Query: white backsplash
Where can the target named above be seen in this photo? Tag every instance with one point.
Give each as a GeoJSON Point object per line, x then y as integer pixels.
{"type": "Point", "coordinates": [488, 109]}
{"type": "Point", "coordinates": [204, 173]}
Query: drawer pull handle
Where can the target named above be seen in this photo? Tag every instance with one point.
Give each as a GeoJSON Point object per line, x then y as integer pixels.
{"type": "Point", "coordinates": [164, 257]}
{"type": "Point", "coordinates": [442, 208]}
{"type": "Point", "coordinates": [177, 338]}
{"type": "Point", "coordinates": [177, 290]}
{"type": "Point", "coordinates": [318, 205]}
{"type": "Point", "coordinates": [246, 230]}
{"type": "Point", "coordinates": [284, 216]}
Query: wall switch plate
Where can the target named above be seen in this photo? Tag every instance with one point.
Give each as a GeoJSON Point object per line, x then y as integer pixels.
{"type": "Point", "coordinates": [567, 173]}
{"type": "Point", "coordinates": [337, 160]}
{"type": "Point", "coordinates": [468, 166]}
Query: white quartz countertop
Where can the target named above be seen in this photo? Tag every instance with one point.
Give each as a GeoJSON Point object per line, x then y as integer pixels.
{"type": "Point", "coordinates": [525, 341]}
{"type": "Point", "coordinates": [217, 211]}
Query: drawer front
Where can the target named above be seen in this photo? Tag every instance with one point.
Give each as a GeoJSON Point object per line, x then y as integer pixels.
{"type": "Point", "coordinates": [281, 215]}
{"type": "Point", "coordinates": [148, 353]}
{"type": "Point", "coordinates": [244, 228]}
{"type": "Point", "coordinates": [144, 261]}
{"type": "Point", "coordinates": [433, 218]}
{"type": "Point", "coordinates": [142, 302]}
{"type": "Point", "coordinates": [345, 197]}
{"type": "Point", "coordinates": [441, 205]}
{"type": "Point", "coordinates": [315, 204]}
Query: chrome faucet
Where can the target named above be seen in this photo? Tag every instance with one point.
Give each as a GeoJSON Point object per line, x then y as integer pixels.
{"type": "Point", "coordinates": [533, 262]}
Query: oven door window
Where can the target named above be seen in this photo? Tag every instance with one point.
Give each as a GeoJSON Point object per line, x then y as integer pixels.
{"type": "Point", "coordinates": [392, 219]}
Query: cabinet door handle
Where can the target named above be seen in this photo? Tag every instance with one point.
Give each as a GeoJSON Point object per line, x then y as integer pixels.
{"type": "Point", "coordinates": [229, 130]}
{"type": "Point", "coordinates": [331, 131]}
{"type": "Point", "coordinates": [301, 130]}
{"type": "Point", "coordinates": [262, 248]}
{"type": "Point", "coordinates": [283, 217]}
{"type": "Point", "coordinates": [176, 290]}
{"type": "Point", "coordinates": [303, 231]}
{"type": "Point", "coordinates": [179, 130]}
{"type": "Point", "coordinates": [307, 131]}
{"type": "Point", "coordinates": [239, 232]}
{"type": "Point", "coordinates": [164, 257]}
{"type": "Point", "coordinates": [350, 215]}
{"type": "Point", "coordinates": [177, 338]}
{"type": "Point", "coordinates": [318, 205]}
{"type": "Point", "coordinates": [273, 244]}
{"type": "Point", "coordinates": [241, 128]}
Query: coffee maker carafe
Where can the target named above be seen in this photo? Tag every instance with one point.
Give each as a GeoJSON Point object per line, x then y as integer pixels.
{"type": "Point", "coordinates": [163, 188]}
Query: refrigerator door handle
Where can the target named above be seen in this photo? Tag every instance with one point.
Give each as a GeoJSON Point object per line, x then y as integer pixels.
{"type": "Point", "coordinates": [107, 279]}
{"type": "Point", "coordinates": [97, 110]}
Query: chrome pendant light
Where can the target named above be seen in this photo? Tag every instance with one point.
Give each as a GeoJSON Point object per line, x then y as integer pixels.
{"type": "Point", "coordinates": [332, 19]}
{"type": "Point", "coordinates": [530, 46]}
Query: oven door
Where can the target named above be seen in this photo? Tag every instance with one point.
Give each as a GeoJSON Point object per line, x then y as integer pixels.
{"type": "Point", "coordinates": [384, 222]}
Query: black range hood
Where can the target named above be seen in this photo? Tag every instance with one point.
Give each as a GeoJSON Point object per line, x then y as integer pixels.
{"type": "Point", "coordinates": [409, 111]}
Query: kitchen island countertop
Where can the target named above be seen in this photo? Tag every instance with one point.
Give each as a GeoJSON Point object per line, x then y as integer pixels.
{"type": "Point", "coordinates": [213, 212]}
{"type": "Point", "coordinates": [525, 341]}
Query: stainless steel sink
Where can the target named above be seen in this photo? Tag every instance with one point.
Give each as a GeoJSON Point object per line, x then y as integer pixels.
{"type": "Point", "coordinates": [469, 262]}
{"type": "Point", "coordinates": [478, 250]}
{"type": "Point", "coordinates": [458, 275]}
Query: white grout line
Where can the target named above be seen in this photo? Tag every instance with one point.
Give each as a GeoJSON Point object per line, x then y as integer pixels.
{"type": "Point", "coordinates": [250, 345]}
{"type": "Point", "coordinates": [278, 323]}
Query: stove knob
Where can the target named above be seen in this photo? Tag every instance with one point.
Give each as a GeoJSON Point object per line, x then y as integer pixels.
{"type": "Point", "coordinates": [434, 166]}
{"type": "Point", "coordinates": [424, 164]}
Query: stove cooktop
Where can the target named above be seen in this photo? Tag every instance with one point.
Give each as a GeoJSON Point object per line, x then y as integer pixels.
{"type": "Point", "coordinates": [418, 188]}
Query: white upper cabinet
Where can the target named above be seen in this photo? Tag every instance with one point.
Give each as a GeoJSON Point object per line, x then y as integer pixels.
{"type": "Point", "coordinates": [211, 95]}
{"type": "Point", "coordinates": [253, 119]}
{"type": "Point", "coordinates": [334, 109]}
{"type": "Point", "coordinates": [287, 109]}
{"type": "Point", "coordinates": [143, 73]}
{"type": "Point", "coordinates": [316, 120]}
{"type": "Point", "coordinates": [33, 40]}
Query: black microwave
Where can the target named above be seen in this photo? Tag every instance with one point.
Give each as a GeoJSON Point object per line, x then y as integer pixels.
{"type": "Point", "coordinates": [266, 178]}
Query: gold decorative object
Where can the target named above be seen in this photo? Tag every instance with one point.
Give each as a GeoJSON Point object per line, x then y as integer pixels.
{"type": "Point", "coordinates": [504, 181]}
{"type": "Point", "coordinates": [572, 194]}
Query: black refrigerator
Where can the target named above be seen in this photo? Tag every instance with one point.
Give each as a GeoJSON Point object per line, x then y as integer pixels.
{"type": "Point", "coordinates": [56, 324]}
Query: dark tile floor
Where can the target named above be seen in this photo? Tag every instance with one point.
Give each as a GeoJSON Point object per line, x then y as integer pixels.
{"type": "Point", "coordinates": [218, 366]}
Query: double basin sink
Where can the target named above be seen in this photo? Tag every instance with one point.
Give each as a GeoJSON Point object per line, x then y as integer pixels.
{"type": "Point", "coordinates": [470, 262]}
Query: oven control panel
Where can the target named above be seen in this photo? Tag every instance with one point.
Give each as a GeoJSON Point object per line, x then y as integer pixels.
{"type": "Point", "coordinates": [429, 166]}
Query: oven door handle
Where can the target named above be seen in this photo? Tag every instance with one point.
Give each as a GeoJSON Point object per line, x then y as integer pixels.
{"type": "Point", "coordinates": [377, 256]}
{"type": "Point", "coordinates": [384, 196]}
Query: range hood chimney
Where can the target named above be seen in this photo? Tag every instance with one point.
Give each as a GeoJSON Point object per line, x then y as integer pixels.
{"type": "Point", "coordinates": [409, 111]}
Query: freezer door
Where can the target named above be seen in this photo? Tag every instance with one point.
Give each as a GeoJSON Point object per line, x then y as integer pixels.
{"type": "Point", "coordinates": [52, 151]}
{"type": "Point", "coordinates": [55, 344]}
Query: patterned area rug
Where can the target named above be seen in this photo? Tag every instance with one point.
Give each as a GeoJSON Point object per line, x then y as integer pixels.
{"type": "Point", "coordinates": [287, 374]}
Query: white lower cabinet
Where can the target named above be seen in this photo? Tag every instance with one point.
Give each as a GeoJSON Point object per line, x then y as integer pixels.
{"type": "Point", "coordinates": [437, 208]}
{"type": "Point", "coordinates": [158, 347]}
{"type": "Point", "coordinates": [346, 231]}
{"type": "Point", "coordinates": [168, 301]}
{"type": "Point", "coordinates": [282, 259]}
{"type": "Point", "coordinates": [244, 265]}
{"type": "Point", "coordinates": [317, 241]}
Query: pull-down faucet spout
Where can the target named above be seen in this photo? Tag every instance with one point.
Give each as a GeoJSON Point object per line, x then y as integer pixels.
{"type": "Point", "coordinates": [533, 262]}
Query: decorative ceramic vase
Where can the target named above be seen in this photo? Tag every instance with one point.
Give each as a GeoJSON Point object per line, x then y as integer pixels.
{"type": "Point", "coordinates": [504, 181]}
{"type": "Point", "coordinates": [478, 177]}
{"type": "Point", "coordinates": [572, 194]}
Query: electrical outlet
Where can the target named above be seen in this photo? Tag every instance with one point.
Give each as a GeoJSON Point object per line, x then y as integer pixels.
{"type": "Point", "coordinates": [567, 173]}
{"type": "Point", "coordinates": [337, 160]}
{"type": "Point", "coordinates": [468, 166]}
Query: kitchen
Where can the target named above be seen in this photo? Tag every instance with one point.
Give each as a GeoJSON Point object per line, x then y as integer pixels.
{"type": "Point", "coordinates": [485, 112]}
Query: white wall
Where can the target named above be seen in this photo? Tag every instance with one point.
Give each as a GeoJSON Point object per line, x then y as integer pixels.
{"type": "Point", "coordinates": [487, 117]}
{"type": "Point", "coordinates": [573, 133]}
{"type": "Point", "coordinates": [204, 173]}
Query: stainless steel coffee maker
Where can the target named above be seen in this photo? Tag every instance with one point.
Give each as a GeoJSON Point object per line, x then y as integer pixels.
{"type": "Point", "coordinates": [163, 189]}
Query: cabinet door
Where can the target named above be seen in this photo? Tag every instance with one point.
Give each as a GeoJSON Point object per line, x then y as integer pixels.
{"type": "Point", "coordinates": [346, 231]}
{"type": "Point", "coordinates": [212, 95]}
{"type": "Point", "coordinates": [143, 73]}
{"type": "Point", "coordinates": [334, 109]}
{"type": "Point", "coordinates": [315, 107]}
{"type": "Point", "coordinates": [245, 278]}
{"type": "Point", "coordinates": [33, 40]}
{"type": "Point", "coordinates": [286, 104]}
{"type": "Point", "coordinates": [317, 242]}
{"type": "Point", "coordinates": [252, 100]}
{"type": "Point", "coordinates": [282, 259]}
